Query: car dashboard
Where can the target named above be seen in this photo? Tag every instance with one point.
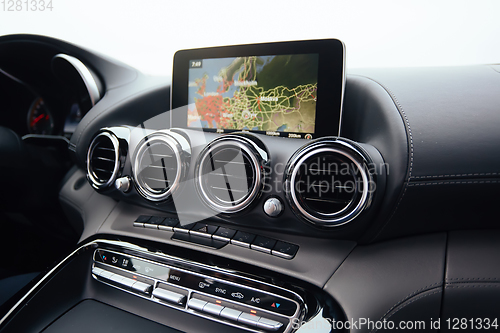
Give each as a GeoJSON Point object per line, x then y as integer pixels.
{"type": "Point", "coordinates": [200, 231]}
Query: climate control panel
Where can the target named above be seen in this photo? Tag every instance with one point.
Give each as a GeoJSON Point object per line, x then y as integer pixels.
{"type": "Point", "coordinates": [215, 295]}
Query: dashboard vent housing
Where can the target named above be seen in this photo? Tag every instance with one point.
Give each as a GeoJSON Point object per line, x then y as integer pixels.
{"type": "Point", "coordinates": [328, 182]}
{"type": "Point", "coordinates": [230, 173]}
{"type": "Point", "coordinates": [158, 166]}
{"type": "Point", "coordinates": [103, 160]}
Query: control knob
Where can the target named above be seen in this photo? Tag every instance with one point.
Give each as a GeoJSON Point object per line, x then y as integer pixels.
{"type": "Point", "coordinates": [273, 207]}
{"type": "Point", "coordinates": [123, 184]}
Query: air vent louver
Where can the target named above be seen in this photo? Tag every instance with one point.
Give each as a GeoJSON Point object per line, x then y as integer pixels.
{"type": "Point", "coordinates": [328, 183]}
{"type": "Point", "coordinates": [158, 167]}
{"type": "Point", "coordinates": [229, 174]}
{"type": "Point", "coordinates": [103, 160]}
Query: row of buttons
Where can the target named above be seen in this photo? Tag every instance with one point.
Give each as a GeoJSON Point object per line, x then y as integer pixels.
{"type": "Point", "coordinates": [122, 280]}
{"type": "Point", "coordinates": [160, 293]}
{"type": "Point", "coordinates": [259, 243]}
{"type": "Point", "coordinates": [178, 298]}
{"type": "Point", "coordinates": [234, 315]}
{"type": "Point", "coordinates": [178, 280]}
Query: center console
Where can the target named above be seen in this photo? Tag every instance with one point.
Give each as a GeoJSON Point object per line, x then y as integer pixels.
{"type": "Point", "coordinates": [197, 289]}
{"type": "Point", "coordinates": [116, 284]}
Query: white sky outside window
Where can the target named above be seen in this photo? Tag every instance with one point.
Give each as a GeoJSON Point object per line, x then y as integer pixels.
{"type": "Point", "coordinates": [145, 34]}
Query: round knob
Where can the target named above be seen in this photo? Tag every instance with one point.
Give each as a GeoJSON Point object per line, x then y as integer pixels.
{"type": "Point", "coordinates": [123, 184]}
{"type": "Point", "coordinates": [273, 207]}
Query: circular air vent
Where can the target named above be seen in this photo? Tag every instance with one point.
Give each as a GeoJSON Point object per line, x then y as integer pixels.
{"type": "Point", "coordinates": [230, 173]}
{"type": "Point", "coordinates": [158, 166]}
{"type": "Point", "coordinates": [328, 182]}
{"type": "Point", "coordinates": [103, 160]}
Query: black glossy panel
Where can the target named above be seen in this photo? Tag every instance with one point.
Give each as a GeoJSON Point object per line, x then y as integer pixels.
{"type": "Point", "coordinates": [103, 318]}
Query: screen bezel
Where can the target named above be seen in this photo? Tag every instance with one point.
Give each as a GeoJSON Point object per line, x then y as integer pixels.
{"type": "Point", "coordinates": [331, 78]}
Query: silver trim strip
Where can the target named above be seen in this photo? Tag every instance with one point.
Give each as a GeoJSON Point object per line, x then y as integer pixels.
{"type": "Point", "coordinates": [42, 280]}
{"type": "Point", "coordinates": [43, 136]}
{"type": "Point", "coordinates": [87, 77]}
{"type": "Point", "coordinates": [344, 54]}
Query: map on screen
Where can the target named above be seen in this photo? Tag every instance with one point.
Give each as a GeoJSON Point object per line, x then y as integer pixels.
{"type": "Point", "coordinates": [255, 93]}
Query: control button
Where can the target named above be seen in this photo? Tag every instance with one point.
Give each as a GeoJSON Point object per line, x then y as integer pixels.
{"type": "Point", "coordinates": [273, 207]}
{"type": "Point", "coordinates": [248, 319]}
{"type": "Point", "coordinates": [203, 230]}
{"type": "Point", "coordinates": [96, 271]}
{"type": "Point", "coordinates": [203, 285]}
{"type": "Point", "coordinates": [113, 259]}
{"type": "Point", "coordinates": [153, 222]}
{"type": "Point", "coordinates": [184, 229]}
{"type": "Point", "coordinates": [168, 224]}
{"type": "Point", "coordinates": [123, 184]}
{"type": "Point", "coordinates": [156, 220]}
{"type": "Point", "coordinates": [169, 296]}
{"type": "Point", "coordinates": [230, 314]}
{"type": "Point", "coordinates": [127, 282]}
{"type": "Point", "coordinates": [237, 295]}
{"type": "Point", "coordinates": [141, 286]}
{"type": "Point", "coordinates": [224, 234]}
{"type": "Point", "coordinates": [105, 274]}
{"type": "Point", "coordinates": [268, 324]}
{"type": "Point", "coordinates": [196, 304]}
{"type": "Point", "coordinates": [213, 309]}
{"type": "Point", "coordinates": [125, 262]}
{"type": "Point", "coordinates": [263, 244]}
{"type": "Point", "coordinates": [284, 250]}
{"type": "Point", "coordinates": [139, 224]}
{"type": "Point", "coordinates": [109, 258]}
{"type": "Point", "coordinates": [116, 278]}
{"type": "Point", "coordinates": [143, 219]}
{"type": "Point", "coordinates": [175, 277]}
{"type": "Point", "coordinates": [279, 305]}
{"type": "Point", "coordinates": [208, 242]}
{"type": "Point", "coordinates": [242, 239]}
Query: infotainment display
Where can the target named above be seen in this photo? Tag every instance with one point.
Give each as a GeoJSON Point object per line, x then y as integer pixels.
{"type": "Point", "coordinates": [254, 93]}
{"type": "Point", "coordinates": [289, 89]}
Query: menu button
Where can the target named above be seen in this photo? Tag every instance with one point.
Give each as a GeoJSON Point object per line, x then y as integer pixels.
{"type": "Point", "coordinates": [174, 277]}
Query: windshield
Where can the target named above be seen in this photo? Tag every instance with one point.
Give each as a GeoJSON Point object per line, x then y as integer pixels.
{"type": "Point", "coordinates": [146, 34]}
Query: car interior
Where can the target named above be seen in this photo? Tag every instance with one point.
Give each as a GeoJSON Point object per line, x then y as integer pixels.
{"type": "Point", "coordinates": [263, 188]}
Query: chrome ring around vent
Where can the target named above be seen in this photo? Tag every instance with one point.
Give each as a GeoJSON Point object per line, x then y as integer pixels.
{"type": "Point", "coordinates": [231, 141]}
{"type": "Point", "coordinates": [94, 179]}
{"type": "Point", "coordinates": [142, 187]}
{"type": "Point", "coordinates": [348, 213]}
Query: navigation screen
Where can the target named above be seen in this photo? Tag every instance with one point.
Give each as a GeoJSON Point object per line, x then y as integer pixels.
{"type": "Point", "coordinates": [274, 94]}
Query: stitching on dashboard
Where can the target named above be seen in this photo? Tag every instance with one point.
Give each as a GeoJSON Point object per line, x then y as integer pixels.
{"type": "Point", "coordinates": [402, 306]}
{"type": "Point", "coordinates": [456, 182]}
{"type": "Point", "coordinates": [458, 175]}
{"type": "Point", "coordinates": [466, 285]}
{"type": "Point", "coordinates": [472, 279]}
{"type": "Point", "coordinates": [406, 122]}
{"type": "Point", "coordinates": [413, 294]}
